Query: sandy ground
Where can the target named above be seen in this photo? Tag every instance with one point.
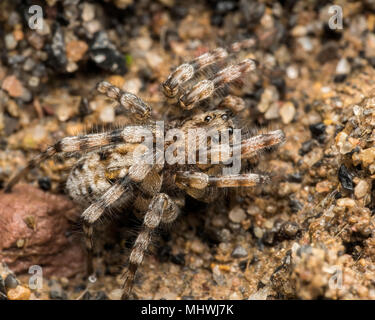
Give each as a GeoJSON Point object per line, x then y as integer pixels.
{"type": "Point", "coordinates": [307, 235]}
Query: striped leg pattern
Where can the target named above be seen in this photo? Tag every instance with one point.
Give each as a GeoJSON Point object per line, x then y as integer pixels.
{"type": "Point", "coordinates": [162, 209]}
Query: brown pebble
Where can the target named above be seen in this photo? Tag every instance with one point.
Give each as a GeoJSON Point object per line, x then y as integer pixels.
{"type": "Point", "coordinates": [237, 214]}
{"type": "Point", "coordinates": [13, 86]}
{"type": "Point", "coordinates": [346, 202]}
{"type": "Point", "coordinates": [19, 293]}
{"type": "Point", "coordinates": [197, 246]}
{"type": "Point", "coordinates": [323, 186]}
{"type": "Point", "coordinates": [361, 189]}
{"type": "Point", "coordinates": [75, 50]}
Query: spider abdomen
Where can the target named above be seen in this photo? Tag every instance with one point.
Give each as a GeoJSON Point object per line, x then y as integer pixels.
{"type": "Point", "coordinates": [91, 177]}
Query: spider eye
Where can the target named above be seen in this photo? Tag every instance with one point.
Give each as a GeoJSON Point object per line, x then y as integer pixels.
{"type": "Point", "coordinates": [225, 117]}
{"type": "Point", "coordinates": [230, 130]}
{"type": "Point", "coordinates": [208, 119]}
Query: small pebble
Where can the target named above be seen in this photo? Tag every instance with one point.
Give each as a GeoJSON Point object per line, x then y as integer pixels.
{"type": "Point", "coordinates": [258, 232]}
{"type": "Point", "coordinates": [346, 202]}
{"type": "Point", "coordinates": [318, 130]}
{"type": "Point", "coordinates": [88, 12]}
{"type": "Point", "coordinates": [269, 95]}
{"type": "Point", "coordinates": [235, 296]}
{"type": "Point", "coordinates": [19, 293]}
{"type": "Point", "coordinates": [306, 43]}
{"type": "Point", "coordinates": [197, 246]}
{"type": "Point", "coordinates": [272, 112]}
{"type": "Point", "coordinates": [237, 214]}
{"type": "Point", "coordinates": [115, 294]}
{"type": "Point", "coordinates": [44, 183]}
{"type": "Point", "coordinates": [75, 50]}
{"type": "Point", "coordinates": [178, 259]}
{"type": "Point", "coordinates": [107, 114]}
{"type": "Point", "coordinates": [343, 143]}
{"type": "Point", "coordinates": [56, 292]}
{"type": "Point", "coordinates": [13, 86]}
{"type": "Point", "coordinates": [361, 189]}
{"type": "Point", "coordinates": [239, 252]}
{"type": "Point", "coordinates": [287, 112]}
{"type": "Point", "coordinates": [292, 72]}
{"type": "Point", "coordinates": [36, 40]}
{"type": "Point", "coordinates": [343, 67]}
{"type": "Point", "coordinates": [323, 186]}
{"type": "Point", "coordinates": [10, 281]}
{"type": "Point", "coordinates": [367, 156]}
{"type": "Point", "coordinates": [289, 229]}
{"type": "Point", "coordinates": [345, 178]}
{"type": "Point", "coordinates": [10, 41]}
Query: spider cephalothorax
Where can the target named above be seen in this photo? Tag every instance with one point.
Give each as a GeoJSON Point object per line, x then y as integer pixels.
{"type": "Point", "coordinates": [110, 175]}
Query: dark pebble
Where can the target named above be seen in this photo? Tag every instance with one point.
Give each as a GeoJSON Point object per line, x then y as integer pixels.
{"type": "Point", "coordinates": [306, 147]}
{"type": "Point", "coordinates": [277, 225]}
{"type": "Point", "coordinates": [295, 177]}
{"type": "Point", "coordinates": [345, 178]}
{"type": "Point", "coordinates": [269, 238]}
{"type": "Point", "coordinates": [366, 232]}
{"type": "Point", "coordinates": [164, 253]}
{"type": "Point", "coordinates": [101, 295]}
{"type": "Point", "coordinates": [217, 20]}
{"type": "Point", "coordinates": [11, 125]}
{"type": "Point", "coordinates": [289, 230]}
{"type": "Point", "coordinates": [44, 183]}
{"type": "Point", "coordinates": [178, 259]}
{"type": "Point", "coordinates": [3, 143]}
{"type": "Point", "coordinates": [330, 34]}
{"type": "Point", "coordinates": [279, 83]}
{"type": "Point", "coordinates": [339, 78]}
{"type": "Point", "coordinates": [295, 205]}
{"type": "Point", "coordinates": [109, 60]}
{"type": "Point", "coordinates": [58, 295]}
{"type": "Point", "coordinates": [105, 54]}
{"type": "Point", "coordinates": [79, 288]}
{"type": "Point", "coordinates": [328, 52]}
{"type": "Point", "coordinates": [252, 11]}
{"type": "Point", "coordinates": [318, 131]}
{"type": "Point", "coordinates": [10, 282]}
{"type": "Point", "coordinates": [242, 265]}
{"type": "Point", "coordinates": [179, 12]}
{"type": "Point", "coordinates": [57, 57]}
{"type": "Point", "coordinates": [225, 6]}
{"type": "Point", "coordinates": [260, 285]}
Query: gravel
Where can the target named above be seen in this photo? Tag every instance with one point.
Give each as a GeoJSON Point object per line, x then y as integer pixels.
{"type": "Point", "coordinates": [312, 82]}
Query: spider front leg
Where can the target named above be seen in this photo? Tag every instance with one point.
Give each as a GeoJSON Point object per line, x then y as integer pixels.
{"type": "Point", "coordinates": [207, 87]}
{"type": "Point", "coordinates": [162, 209]}
{"type": "Point", "coordinates": [80, 143]}
{"type": "Point", "coordinates": [200, 180]}
{"type": "Point", "coordinates": [187, 71]}
{"type": "Point", "coordinates": [127, 100]}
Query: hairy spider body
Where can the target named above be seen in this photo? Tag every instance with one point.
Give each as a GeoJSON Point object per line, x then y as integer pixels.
{"type": "Point", "coordinates": [110, 174]}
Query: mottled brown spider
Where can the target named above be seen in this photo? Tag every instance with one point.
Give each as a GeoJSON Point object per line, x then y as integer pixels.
{"type": "Point", "coordinates": [108, 175]}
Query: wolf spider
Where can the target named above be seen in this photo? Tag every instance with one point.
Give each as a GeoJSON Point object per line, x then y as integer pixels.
{"type": "Point", "coordinates": [107, 176]}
